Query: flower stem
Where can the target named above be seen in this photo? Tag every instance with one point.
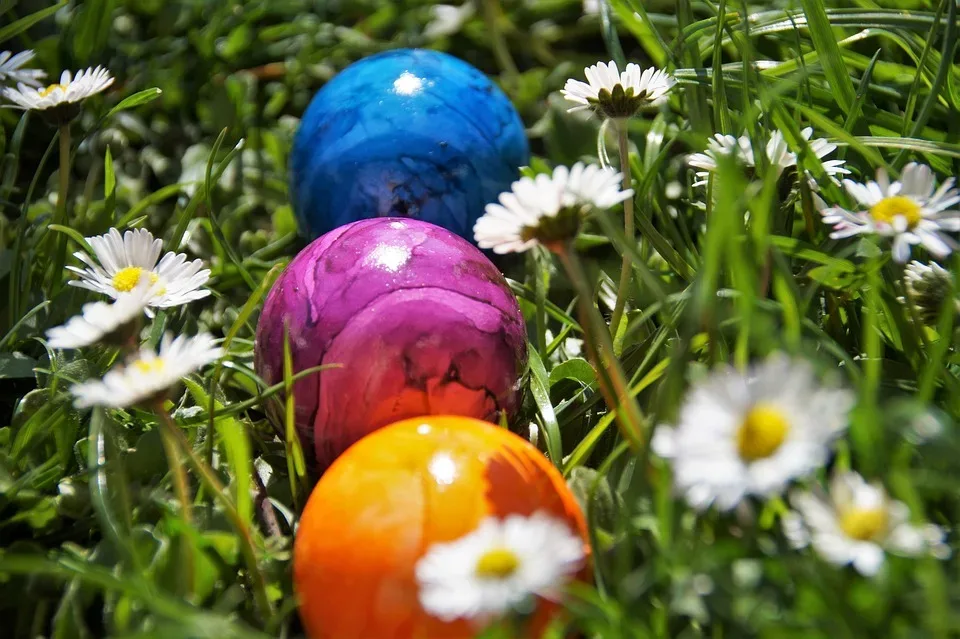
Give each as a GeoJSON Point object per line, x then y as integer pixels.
{"type": "Point", "coordinates": [167, 427]}
{"type": "Point", "coordinates": [60, 214]}
{"type": "Point", "coordinates": [219, 491]}
{"type": "Point", "coordinates": [179, 476]}
{"type": "Point", "coordinates": [613, 382]}
{"type": "Point", "coordinates": [626, 269]}
{"type": "Point", "coordinates": [491, 15]}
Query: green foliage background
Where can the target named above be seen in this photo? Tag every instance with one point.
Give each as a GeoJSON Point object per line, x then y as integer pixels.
{"type": "Point", "coordinates": [92, 542]}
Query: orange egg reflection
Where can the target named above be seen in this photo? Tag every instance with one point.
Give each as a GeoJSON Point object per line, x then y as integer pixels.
{"type": "Point", "coordinates": [391, 496]}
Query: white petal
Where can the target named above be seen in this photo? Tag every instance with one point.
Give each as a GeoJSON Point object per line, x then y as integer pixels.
{"type": "Point", "coordinates": [868, 559]}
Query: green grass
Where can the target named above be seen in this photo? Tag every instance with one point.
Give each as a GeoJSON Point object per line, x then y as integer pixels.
{"type": "Point", "coordinates": [91, 533]}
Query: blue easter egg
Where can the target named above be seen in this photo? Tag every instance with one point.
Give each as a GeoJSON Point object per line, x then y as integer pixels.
{"type": "Point", "coordinates": [410, 133]}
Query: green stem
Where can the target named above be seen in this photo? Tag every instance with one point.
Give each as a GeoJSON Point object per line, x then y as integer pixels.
{"type": "Point", "coordinates": [613, 382]}
{"type": "Point", "coordinates": [491, 15]}
{"type": "Point", "coordinates": [179, 476]}
{"type": "Point", "coordinates": [219, 491]}
{"type": "Point", "coordinates": [60, 215]}
{"type": "Point", "coordinates": [539, 259]}
{"type": "Point", "coordinates": [182, 489]}
{"type": "Point", "coordinates": [626, 269]}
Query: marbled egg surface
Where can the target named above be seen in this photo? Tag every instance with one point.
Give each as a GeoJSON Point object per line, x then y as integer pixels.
{"type": "Point", "coordinates": [420, 320]}
{"type": "Point", "coordinates": [410, 133]}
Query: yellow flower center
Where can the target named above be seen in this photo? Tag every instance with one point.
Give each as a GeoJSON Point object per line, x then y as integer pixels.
{"type": "Point", "coordinates": [762, 432]}
{"type": "Point", "coordinates": [44, 92]}
{"type": "Point", "coordinates": [149, 365]}
{"type": "Point", "coordinates": [864, 524]}
{"type": "Point", "coordinates": [126, 279]}
{"type": "Point", "coordinates": [497, 563]}
{"type": "Point", "coordinates": [889, 208]}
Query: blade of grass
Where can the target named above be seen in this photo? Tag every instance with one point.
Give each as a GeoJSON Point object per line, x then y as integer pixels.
{"type": "Point", "coordinates": [245, 313]}
{"type": "Point", "coordinates": [610, 37]}
{"type": "Point", "coordinates": [17, 27]}
{"type": "Point", "coordinates": [239, 407]}
{"type": "Point", "coordinates": [947, 61]}
{"type": "Point", "coordinates": [296, 465]}
{"type": "Point", "coordinates": [540, 389]}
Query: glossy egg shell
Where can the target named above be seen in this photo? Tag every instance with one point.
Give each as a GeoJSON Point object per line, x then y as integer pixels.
{"type": "Point", "coordinates": [420, 321]}
{"type": "Point", "coordinates": [391, 496]}
{"type": "Point", "coordinates": [410, 133]}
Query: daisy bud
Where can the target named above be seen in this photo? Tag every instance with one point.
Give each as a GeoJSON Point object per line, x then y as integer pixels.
{"type": "Point", "coordinates": [929, 287]}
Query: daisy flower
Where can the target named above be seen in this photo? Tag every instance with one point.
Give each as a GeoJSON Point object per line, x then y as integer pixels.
{"type": "Point", "coordinates": [750, 434]}
{"type": "Point", "coordinates": [548, 208]}
{"type": "Point", "coordinates": [10, 68]}
{"type": "Point", "coordinates": [447, 19]}
{"type": "Point", "coordinates": [911, 211]}
{"type": "Point", "coordinates": [928, 286]}
{"type": "Point", "coordinates": [100, 321]}
{"type": "Point", "coordinates": [857, 523]}
{"type": "Point", "coordinates": [122, 261]}
{"type": "Point", "coordinates": [618, 95]}
{"type": "Point", "coordinates": [150, 374]}
{"type": "Point", "coordinates": [62, 97]}
{"type": "Point", "coordinates": [499, 565]}
{"type": "Point", "coordinates": [778, 154]}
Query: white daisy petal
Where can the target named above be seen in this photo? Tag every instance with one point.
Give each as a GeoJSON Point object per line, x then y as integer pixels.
{"type": "Point", "coordinates": [122, 261]}
{"type": "Point", "coordinates": [900, 249]}
{"type": "Point", "coordinates": [11, 69]}
{"type": "Point", "coordinates": [911, 211]}
{"type": "Point", "coordinates": [486, 573]}
{"type": "Point", "coordinates": [447, 20]}
{"type": "Point", "coordinates": [795, 530]}
{"type": "Point", "coordinates": [100, 320]}
{"type": "Point", "coordinates": [70, 90]}
{"type": "Point", "coordinates": [664, 442]}
{"type": "Point", "coordinates": [857, 522]}
{"type": "Point", "coordinates": [778, 153]}
{"type": "Point", "coordinates": [149, 374]}
{"type": "Point", "coordinates": [751, 433]}
{"type": "Point", "coordinates": [930, 237]}
{"type": "Point", "coordinates": [517, 222]}
{"type": "Point", "coordinates": [867, 559]}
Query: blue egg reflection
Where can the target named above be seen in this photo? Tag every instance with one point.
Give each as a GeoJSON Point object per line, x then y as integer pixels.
{"type": "Point", "coordinates": [409, 133]}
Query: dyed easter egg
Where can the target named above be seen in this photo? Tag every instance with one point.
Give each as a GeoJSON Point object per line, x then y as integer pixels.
{"type": "Point", "coordinates": [410, 133]}
{"type": "Point", "coordinates": [419, 320]}
{"type": "Point", "coordinates": [394, 494]}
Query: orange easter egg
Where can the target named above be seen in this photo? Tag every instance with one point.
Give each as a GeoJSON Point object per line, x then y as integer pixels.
{"type": "Point", "coordinates": [395, 494]}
